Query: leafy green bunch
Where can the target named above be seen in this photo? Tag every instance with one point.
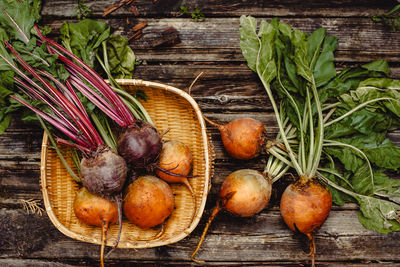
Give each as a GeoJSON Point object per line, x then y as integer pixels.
{"type": "Point", "coordinates": [341, 118]}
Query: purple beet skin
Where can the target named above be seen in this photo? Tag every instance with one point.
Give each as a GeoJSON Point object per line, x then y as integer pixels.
{"type": "Point", "coordinates": [104, 173]}
{"type": "Point", "coordinates": [140, 144]}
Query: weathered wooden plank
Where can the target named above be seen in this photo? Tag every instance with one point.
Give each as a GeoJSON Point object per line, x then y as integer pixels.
{"type": "Point", "coordinates": [217, 39]}
{"type": "Point", "coordinates": [260, 238]}
{"type": "Point", "coordinates": [225, 8]}
{"type": "Point", "coordinates": [31, 263]}
{"type": "Point", "coordinates": [222, 77]}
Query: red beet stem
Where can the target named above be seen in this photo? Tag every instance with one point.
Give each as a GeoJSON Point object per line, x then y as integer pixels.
{"type": "Point", "coordinates": [93, 77]}
{"type": "Point", "coordinates": [32, 93]}
{"type": "Point", "coordinates": [84, 125]}
{"type": "Point", "coordinates": [66, 143]}
{"type": "Point", "coordinates": [55, 123]}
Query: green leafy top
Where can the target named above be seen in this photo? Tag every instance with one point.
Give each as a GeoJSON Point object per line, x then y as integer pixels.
{"type": "Point", "coordinates": [346, 146]}
{"type": "Point", "coordinates": [23, 16]}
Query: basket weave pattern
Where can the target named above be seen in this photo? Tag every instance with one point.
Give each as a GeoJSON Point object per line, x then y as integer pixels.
{"type": "Point", "coordinates": [177, 115]}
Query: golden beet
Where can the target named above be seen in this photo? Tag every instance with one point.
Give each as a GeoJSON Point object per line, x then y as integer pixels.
{"type": "Point", "coordinates": [305, 206]}
{"type": "Point", "coordinates": [148, 202]}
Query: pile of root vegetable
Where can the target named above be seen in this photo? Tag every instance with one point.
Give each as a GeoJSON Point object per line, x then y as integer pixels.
{"type": "Point", "coordinates": [123, 165]}
{"type": "Point", "coordinates": [333, 128]}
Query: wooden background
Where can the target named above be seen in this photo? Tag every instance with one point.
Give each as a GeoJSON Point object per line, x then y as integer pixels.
{"type": "Point", "coordinates": [227, 90]}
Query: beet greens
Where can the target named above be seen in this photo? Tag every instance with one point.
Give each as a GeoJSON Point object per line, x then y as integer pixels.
{"type": "Point", "coordinates": [341, 123]}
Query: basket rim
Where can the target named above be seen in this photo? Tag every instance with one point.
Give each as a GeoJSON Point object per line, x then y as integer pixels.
{"type": "Point", "coordinates": [155, 243]}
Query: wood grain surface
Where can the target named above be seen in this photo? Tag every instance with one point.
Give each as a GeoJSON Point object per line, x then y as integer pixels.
{"type": "Point", "coordinates": [226, 90]}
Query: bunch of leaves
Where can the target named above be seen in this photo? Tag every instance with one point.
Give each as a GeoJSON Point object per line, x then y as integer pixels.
{"type": "Point", "coordinates": [195, 14]}
{"type": "Point", "coordinates": [360, 104]}
{"type": "Point", "coordinates": [87, 38]}
{"type": "Point", "coordinates": [25, 15]}
{"type": "Point", "coordinates": [391, 17]}
{"type": "Point", "coordinates": [107, 53]}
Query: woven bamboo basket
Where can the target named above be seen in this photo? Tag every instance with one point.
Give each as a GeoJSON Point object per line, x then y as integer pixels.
{"type": "Point", "coordinates": [172, 111]}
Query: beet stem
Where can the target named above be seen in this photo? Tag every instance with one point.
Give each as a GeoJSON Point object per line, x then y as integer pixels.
{"type": "Point", "coordinates": [32, 93]}
{"type": "Point", "coordinates": [64, 103]}
{"type": "Point", "coordinates": [48, 118]}
{"type": "Point", "coordinates": [68, 92]}
{"type": "Point", "coordinates": [66, 143]}
{"type": "Point", "coordinates": [212, 123]}
{"type": "Point", "coordinates": [89, 74]}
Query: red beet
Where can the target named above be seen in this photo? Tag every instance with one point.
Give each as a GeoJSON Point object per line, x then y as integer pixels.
{"type": "Point", "coordinates": [104, 173]}
{"type": "Point", "coordinates": [140, 144]}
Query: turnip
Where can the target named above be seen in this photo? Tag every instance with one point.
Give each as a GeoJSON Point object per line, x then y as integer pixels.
{"type": "Point", "coordinates": [148, 201]}
{"type": "Point", "coordinates": [243, 193]}
{"type": "Point", "coordinates": [96, 211]}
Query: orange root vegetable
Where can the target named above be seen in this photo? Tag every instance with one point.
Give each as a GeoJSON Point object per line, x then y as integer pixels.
{"type": "Point", "coordinates": [148, 202]}
{"type": "Point", "coordinates": [243, 138]}
{"type": "Point", "coordinates": [305, 205]}
{"type": "Point", "coordinates": [97, 211]}
{"type": "Point", "coordinates": [243, 193]}
{"type": "Point", "coordinates": [177, 158]}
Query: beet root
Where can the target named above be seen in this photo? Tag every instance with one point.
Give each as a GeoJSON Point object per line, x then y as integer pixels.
{"type": "Point", "coordinates": [243, 193]}
{"type": "Point", "coordinates": [243, 138]}
{"type": "Point", "coordinates": [148, 202]}
{"type": "Point", "coordinates": [97, 211]}
{"type": "Point", "coordinates": [177, 158]}
{"type": "Point", "coordinates": [104, 173]}
{"type": "Point", "coordinates": [140, 144]}
{"type": "Point", "coordinates": [248, 192]}
{"type": "Point", "coordinates": [305, 205]}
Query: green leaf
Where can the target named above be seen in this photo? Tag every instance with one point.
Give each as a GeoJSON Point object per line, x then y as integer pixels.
{"type": "Point", "coordinates": [24, 14]}
{"type": "Point", "coordinates": [362, 182]}
{"type": "Point", "coordinates": [362, 121]}
{"type": "Point", "coordinates": [348, 79]}
{"type": "Point", "coordinates": [249, 42]}
{"type": "Point", "coordinates": [366, 93]}
{"type": "Point", "coordinates": [84, 38]}
{"type": "Point", "coordinates": [338, 197]}
{"type": "Point", "coordinates": [380, 151]}
{"type": "Point", "coordinates": [325, 69]}
{"type": "Point", "coordinates": [315, 41]}
{"type": "Point", "coordinates": [121, 58]}
{"type": "Point", "coordinates": [301, 56]}
{"type": "Point", "coordinates": [379, 215]}
{"type": "Point", "coordinates": [387, 187]}
{"type": "Point", "coordinates": [378, 66]}
{"type": "Point", "coordinates": [6, 83]}
{"type": "Point", "coordinates": [266, 64]}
